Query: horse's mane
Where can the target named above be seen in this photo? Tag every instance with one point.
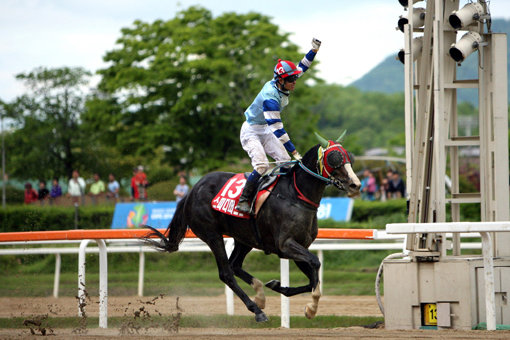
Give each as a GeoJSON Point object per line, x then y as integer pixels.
{"type": "Point", "coordinates": [308, 159]}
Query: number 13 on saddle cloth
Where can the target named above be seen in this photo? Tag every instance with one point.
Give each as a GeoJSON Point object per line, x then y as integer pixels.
{"type": "Point", "coordinates": [226, 199]}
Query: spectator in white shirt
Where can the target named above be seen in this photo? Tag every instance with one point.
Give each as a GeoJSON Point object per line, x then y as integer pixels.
{"type": "Point", "coordinates": [76, 187]}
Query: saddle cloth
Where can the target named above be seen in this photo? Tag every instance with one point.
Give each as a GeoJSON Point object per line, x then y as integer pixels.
{"type": "Point", "coordinates": [227, 198]}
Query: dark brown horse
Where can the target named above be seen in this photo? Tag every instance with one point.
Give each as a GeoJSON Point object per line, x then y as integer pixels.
{"type": "Point", "coordinates": [287, 222]}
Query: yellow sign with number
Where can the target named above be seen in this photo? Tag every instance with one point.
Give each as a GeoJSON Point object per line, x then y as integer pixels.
{"type": "Point", "coordinates": [430, 314]}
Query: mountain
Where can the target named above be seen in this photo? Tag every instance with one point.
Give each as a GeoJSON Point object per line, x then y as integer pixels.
{"type": "Point", "coordinates": [388, 76]}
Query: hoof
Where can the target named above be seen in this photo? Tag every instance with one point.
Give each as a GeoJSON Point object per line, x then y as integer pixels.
{"type": "Point", "coordinates": [261, 317]}
{"type": "Point", "coordinates": [309, 313]}
{"type": "Point", "coordinates": [273, 284]}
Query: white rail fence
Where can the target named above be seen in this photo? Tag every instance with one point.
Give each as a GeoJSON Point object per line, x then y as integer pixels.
{"type": "Point", "coordinates": [188, 245]}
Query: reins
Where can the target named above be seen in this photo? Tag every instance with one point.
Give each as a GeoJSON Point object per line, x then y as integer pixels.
{"type": "Point", "coordinates": [274, 172]}
{"type": "Point", "coordinates": [277, 171]}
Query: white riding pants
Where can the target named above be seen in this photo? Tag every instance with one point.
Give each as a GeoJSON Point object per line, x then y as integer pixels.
{"type": "Point", "coordinates": [259, 140]}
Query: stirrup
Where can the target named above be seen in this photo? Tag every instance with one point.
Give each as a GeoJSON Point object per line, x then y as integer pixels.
{"type": "Point", "coordinates": [244, 207]}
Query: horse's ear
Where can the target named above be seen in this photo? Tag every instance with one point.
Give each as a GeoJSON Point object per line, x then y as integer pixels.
{"type": "Point", "coordinates": [341, 138]}
{"type": "Point", "coordinates": [323, 141]}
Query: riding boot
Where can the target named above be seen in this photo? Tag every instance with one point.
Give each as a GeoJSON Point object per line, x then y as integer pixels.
{"type": "Point", "coordinates": [244, 204]}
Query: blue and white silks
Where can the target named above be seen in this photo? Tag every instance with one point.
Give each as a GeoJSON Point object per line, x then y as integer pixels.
{"type": "Point", "coordinates": [267, 106]}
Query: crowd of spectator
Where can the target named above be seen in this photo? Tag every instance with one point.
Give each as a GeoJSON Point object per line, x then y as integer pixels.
{"type": "Point", "coordinates": [76, 190]}
{"type": "Point", "coordinates": [97, 190]}
{"type": "Point", "coordinates": [389, 187]}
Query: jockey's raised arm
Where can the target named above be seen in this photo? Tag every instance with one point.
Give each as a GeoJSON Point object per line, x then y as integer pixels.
{"type": "Point", "coordinates": [263, 132]}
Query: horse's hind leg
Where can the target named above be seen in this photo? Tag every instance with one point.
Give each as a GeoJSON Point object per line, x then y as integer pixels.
{"type": "Point", "coordinates": [226, 274]}
{"type": "Point", "coordinates": [236, 262]}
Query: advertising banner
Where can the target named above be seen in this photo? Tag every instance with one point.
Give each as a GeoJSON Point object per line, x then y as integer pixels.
{"type": "Point", "coordinates": [137, 214]}
{"type": "Point", "coordinates": [159, 214]}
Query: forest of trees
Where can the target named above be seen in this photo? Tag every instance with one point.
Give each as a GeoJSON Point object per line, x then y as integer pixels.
{"type": "Point", "coordinates": [173, 97]}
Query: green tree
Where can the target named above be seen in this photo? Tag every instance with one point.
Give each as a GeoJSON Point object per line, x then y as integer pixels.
{"type": "Point", "coordinates": [47, 140]}
{"type": "Point", "coordinates": [372, 119]}
{"type": "Point", "coordinates": [176, 90]}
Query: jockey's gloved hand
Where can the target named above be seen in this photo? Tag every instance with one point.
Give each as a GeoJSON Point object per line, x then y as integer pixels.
{"type": "Point", "coordinates": [316, 44]}
{"type": "Point", "coordinates": [296, 156]}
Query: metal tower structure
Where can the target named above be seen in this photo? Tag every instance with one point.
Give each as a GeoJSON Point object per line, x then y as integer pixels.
{"type": "Point", "coordinates": [433, 141]}
{"type": "Point", "coordinates": [435, 285]}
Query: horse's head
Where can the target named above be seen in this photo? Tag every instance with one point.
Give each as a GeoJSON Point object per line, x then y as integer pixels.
{"type": "Point", "coordinates": [335, 163]}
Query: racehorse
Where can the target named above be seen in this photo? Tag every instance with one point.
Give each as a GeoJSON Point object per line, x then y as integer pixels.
{"type": "Point", "coordinates": [286, 223]}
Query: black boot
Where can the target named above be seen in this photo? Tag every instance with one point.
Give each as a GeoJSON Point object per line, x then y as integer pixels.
{"type": "Point", "coordinates": [244, 204]}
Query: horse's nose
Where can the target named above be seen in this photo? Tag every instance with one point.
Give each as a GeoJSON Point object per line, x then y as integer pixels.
{"type": "Point", "coordinates": [354, 186]}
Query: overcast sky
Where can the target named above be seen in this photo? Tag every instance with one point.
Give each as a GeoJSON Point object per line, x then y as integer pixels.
{"type": "Point", "coordinates": [356, 35]}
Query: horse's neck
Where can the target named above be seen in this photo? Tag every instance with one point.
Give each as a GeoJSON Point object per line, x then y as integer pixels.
{"type": "Point", "coordinates": [309, 186]}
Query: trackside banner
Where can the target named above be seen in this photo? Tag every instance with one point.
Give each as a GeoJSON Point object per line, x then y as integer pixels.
{"type": "Point", "coordinates": [137, 214]}
{"type": "Point", "coordinates": [159, 214]}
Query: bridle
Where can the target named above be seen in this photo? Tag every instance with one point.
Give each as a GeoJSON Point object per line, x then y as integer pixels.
{"type": "Point", "coordinates": [323, 170]}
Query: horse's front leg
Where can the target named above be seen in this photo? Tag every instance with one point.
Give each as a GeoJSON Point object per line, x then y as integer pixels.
{"type": "Point", "coordinates": [309, 265]}
{"type": "Point", "coordinates": [311, 308]}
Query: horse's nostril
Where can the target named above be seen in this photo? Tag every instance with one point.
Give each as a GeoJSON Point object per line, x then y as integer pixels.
{"type": "Point", "coordinates": [353, 186]}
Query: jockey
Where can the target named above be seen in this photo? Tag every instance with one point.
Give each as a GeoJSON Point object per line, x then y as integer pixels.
{"type": "Point", "coordinates": [263, 131]}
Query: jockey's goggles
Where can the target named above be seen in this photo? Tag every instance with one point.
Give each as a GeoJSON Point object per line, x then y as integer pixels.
{"type": "Point", "coordinates": [291, 79]}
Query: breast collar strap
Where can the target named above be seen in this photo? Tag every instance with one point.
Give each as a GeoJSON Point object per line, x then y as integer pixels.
{"type": "Point", "coordinates": [303, 197]}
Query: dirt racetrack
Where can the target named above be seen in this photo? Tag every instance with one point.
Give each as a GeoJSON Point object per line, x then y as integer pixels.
{"type": "Point", "coordinates": [166, 305]}
{"type": "Point", "coordinates": [190, 305]}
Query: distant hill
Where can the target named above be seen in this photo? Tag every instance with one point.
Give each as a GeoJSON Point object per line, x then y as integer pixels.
{"type": "Point", "coordinates": [388, 76]}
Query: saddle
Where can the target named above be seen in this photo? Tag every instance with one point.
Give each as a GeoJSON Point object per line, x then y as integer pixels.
{"type": "Point", "coordinates": [227, 198]}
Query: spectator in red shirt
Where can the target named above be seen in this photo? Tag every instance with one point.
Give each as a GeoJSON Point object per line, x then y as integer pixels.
{"type": "Point", "coordinates": [141, 179]}
{"type": "Point", "coordinates": [31, 195]}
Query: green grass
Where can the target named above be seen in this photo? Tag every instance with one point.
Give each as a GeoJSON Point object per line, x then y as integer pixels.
{"type": "Point", "coordinates": [183, 274]}
{"type": "Point", "coordinates": [219, 321]}
{"type": "Point", "coordinates": [184, 283]}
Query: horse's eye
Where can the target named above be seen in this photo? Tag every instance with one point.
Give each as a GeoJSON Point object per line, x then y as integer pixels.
{"type": "Point", "coordinates": [335, 159]}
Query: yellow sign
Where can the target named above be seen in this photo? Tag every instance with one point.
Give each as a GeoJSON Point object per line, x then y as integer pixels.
{"type": "Point", "coordinates": [429, 314]}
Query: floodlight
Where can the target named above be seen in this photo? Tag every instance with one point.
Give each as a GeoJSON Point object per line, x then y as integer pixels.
{"type": "Point", "coordinates": [466, 15]}
{"type": "Point", "coordinates": [418, 19]}
{"type": "Point", "coordinates": [405, 3]}
{"type": "Point", "coordinates": [465, 46]}
{"type": "Point", "coordinates": [417, 46]}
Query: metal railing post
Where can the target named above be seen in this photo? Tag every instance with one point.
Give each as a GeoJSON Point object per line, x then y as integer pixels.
{"type": "Point", "coordinates": [141, 272]}
{"type": "Point", "coordinates": [81, 277]}
{"type": "Point", "coordinates": [285, 281]}
{"type": "Point", "coordinates": [320, 255]}
{"type": "Point", "coordinates": [103, 284]}
{"type": "Point", "coordinates": [229, 294]}
{"type": "Point", "coordinates": [56, 281]}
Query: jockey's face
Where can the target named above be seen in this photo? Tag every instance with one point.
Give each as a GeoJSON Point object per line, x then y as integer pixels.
{"type": "Point", "coordinates": [289, 86]}
{"type": "Point", "coordinates": [289, 83]}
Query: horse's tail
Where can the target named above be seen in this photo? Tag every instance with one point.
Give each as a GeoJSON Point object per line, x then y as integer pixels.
{"type": "Point", "coordinates": [176, 231]}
